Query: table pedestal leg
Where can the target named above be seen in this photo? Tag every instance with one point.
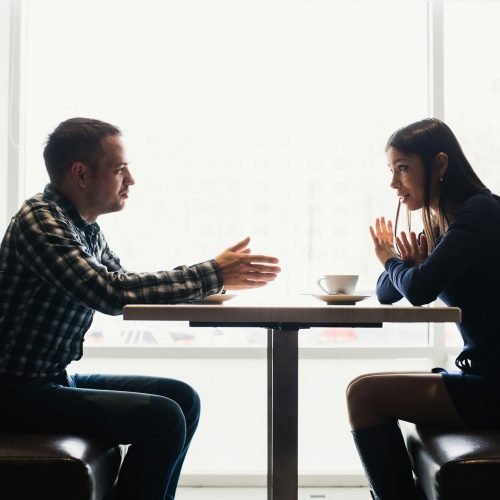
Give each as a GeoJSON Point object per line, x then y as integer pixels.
{"type": "Point", "coordinates": [282, 404]}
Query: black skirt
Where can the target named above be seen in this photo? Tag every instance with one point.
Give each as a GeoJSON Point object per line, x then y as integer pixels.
{"type": "Point", "coordinates": [476, 397]}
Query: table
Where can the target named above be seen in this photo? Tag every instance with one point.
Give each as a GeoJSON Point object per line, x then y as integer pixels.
{"type": "Point", "coordinates": [283, 323]}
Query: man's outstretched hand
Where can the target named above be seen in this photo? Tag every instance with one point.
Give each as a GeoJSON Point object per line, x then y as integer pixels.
{"type": "Point", "coordinates": [240, 269]}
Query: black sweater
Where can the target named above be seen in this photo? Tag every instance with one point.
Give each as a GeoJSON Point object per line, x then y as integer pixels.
{"type": "Point", "coordinates": [463, 271]}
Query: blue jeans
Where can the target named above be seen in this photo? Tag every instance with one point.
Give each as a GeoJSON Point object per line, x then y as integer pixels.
{"type": "Point", "coordinates": [157, 417]}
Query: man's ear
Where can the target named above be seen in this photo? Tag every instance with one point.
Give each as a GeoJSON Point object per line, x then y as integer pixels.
{"type": "Point", "coordinates": [79, 174]}
{"type": "Point", "coordinates": [441, 164]}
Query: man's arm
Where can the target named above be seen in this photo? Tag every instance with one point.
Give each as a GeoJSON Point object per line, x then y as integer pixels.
{"type": "Point", "coordinates": [51, 249]}
{"type": "Point", "coordinates": [240, 269]}
{"type": "Point", "coordinates": [110, 259]}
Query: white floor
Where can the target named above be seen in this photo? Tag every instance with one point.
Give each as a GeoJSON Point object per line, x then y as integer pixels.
{"type": "Point", "coordinates": [260, 494]}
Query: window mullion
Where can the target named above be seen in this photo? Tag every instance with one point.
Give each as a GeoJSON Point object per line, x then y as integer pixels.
{"type": "Point", "coordinates": [435, 45]}
{"type": "Point", "coordinates": [15, 120]}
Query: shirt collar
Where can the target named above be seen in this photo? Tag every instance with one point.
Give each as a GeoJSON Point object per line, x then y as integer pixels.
{"type": "Point", "coordinates": [50, 193]}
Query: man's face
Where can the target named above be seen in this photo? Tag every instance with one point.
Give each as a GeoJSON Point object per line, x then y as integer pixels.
{"type": "Point", "coordinates": [110, 179]}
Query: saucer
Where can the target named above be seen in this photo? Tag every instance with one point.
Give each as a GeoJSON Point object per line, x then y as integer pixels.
{"type": "Point", "coordinates": [218, 298]}
{"type": "Point", "coordinates": [341, 298]}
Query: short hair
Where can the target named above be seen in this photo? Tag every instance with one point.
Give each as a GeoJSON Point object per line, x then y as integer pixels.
{"type": "Point", "coordinates": [73, 140]}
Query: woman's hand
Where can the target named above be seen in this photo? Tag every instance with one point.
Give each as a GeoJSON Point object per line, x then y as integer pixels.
{"type": "Point", "coordinates": [413, 252]}
{"type": "Point", "coordinates": [383, 240]}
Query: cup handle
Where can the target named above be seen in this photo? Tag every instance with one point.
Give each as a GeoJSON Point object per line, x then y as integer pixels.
{"type": "Point", "coordinates": [321, 286]}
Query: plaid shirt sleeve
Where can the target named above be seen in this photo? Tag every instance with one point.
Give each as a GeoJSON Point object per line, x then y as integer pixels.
{"type": "Point", "coordinates": [109, 258]}
{"type": "Point", "coordinates": [52, 247]}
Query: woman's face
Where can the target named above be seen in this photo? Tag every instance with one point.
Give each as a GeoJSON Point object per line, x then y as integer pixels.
{"type": "Point", "coordinates": [408, 178]}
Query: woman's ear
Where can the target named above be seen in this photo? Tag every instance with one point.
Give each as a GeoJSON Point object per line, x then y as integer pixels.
{"type": "Point", "coordinates": [441, 164]}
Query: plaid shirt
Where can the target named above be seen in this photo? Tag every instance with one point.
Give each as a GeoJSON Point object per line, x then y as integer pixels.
{"type": "Point", "coordinates": [56, 270]}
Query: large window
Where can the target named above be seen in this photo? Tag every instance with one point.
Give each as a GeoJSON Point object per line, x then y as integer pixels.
{"type": "Point", "coordinates": [262, 118]}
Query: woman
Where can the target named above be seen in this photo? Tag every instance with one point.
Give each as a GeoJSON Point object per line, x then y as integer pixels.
{"type": "Point", "coordinates": [456, 258]}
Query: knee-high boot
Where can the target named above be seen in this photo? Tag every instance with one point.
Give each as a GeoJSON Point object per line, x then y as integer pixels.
{"type": "Point", "coordinates": [385, 459]}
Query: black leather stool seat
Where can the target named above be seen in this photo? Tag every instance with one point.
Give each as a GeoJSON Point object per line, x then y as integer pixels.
{"type": "Point", "coordinates": [56, 467]}
{"type": "Point", "coordinates": [455, 465]}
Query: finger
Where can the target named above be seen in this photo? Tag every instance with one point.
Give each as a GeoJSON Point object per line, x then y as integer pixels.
{"type": "Point", "coordinates": [400, 246]}
{"type": "Point", "coordinates": [406, 243]}
{"type": "Point", "coordinates": [383, 228]}
{"type": "Point", "coordinates": [390, 232]}
{"type": "Point", "coordinates": [240, 245]}
{"type": "Point", "coordinates": [374, 236]}
{"type": "Point", "coordinates": [424, 249]}
{"type": "Point", "coordinates": [245, 279]}
{"type": "Point", "coordinates": [383, 225]}
{"type": "Point", "coordinates": [259, 268]}
{"type": "Point", "coordinates": [414, 241]}
{"type": "Point", "coordinates": [259, 258]}
{"type": "Point", "coordinates": [386, 231]}
{"type": "Point", "coordinates": [378, 228]}
{"type": "Point", "coordinates": [257, 276]}
{"type": "Point", "coordinates": [247, 284]}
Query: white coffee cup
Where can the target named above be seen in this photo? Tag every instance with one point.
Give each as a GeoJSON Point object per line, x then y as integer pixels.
{"type": "Point", "coordinates": [338, 283]}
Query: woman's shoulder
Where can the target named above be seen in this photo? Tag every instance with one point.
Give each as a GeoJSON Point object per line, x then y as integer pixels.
{"type": "Point", "coordinates": [483, 206]}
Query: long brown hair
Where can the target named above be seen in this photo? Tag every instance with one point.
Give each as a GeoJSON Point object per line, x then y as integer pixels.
{"type": "Point", "coordinates": [426, 139]}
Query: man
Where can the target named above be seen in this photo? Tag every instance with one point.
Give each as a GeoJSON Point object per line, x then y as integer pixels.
{"type": "Point", "coordinates": [56, 269]}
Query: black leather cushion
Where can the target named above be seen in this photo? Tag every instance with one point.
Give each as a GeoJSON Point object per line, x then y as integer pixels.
{"type": "Point", "coordinates": [56, 467]}
{"type": "Point", "coordinates": [455, 465]}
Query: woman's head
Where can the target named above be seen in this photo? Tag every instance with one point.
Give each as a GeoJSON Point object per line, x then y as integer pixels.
{"type": "Point", "coordinates": [435, 172]}
{"type": "Point", "coordinates": [435, 144]}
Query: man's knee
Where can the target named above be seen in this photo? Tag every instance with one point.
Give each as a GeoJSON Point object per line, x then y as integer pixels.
{"type": "Point", "coordinates": [184, 395]}
{"type": "Point", "coordinates": [192, 398]}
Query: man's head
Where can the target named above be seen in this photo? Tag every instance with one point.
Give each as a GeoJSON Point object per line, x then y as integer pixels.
{"type": "Point", "coordinates": [85, 160]}
{"type": "Point", "coordinates": [75, 140]}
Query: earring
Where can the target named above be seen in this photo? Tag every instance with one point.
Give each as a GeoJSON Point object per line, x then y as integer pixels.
{"type": "Point", "coordinates": [440, 179]}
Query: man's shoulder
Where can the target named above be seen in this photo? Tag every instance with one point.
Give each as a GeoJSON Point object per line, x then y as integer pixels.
{"type": "Point", "coordinates": [41, 201]}
{"type": "Point", "coordinates": [40, 208]}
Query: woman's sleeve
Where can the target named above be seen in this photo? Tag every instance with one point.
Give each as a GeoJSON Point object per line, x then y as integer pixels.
{"type": "Point", "coordinates": [387, 293]}
{"type": "Point", "coordinates": [463, 246]}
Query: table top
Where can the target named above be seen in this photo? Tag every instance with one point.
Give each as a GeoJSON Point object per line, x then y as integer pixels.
{"type": "Point", "coordinates": [302, 314]}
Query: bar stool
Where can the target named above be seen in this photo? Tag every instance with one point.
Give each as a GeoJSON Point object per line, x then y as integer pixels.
{"type": "Point", "coordinates": [57, 467]}
{"type": "Point", "coordinates": [455, 465]}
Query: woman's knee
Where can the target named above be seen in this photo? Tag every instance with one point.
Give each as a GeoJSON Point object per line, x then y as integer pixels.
{"type": "Point", "coordinates": [372, 374]}
{"type": "Point", "coordinates": [359, 390]}
{"type": "Point", "coordinates": [355, 380]}
{"type": "Point", "coordinates": [361, 395]}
